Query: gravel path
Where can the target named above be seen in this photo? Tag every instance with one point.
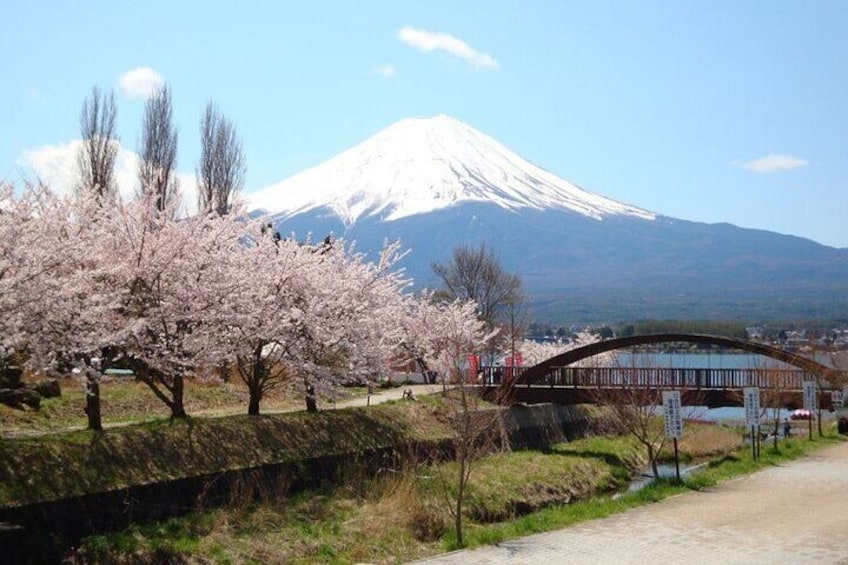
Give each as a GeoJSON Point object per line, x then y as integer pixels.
{"type": "Point", "coordinates": [794, 513]}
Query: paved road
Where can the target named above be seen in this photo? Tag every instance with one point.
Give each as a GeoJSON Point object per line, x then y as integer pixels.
{"type": "Point", "coordinates": [795, 513]}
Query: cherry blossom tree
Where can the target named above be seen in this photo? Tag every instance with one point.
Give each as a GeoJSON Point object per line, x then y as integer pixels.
{"type": "Point", "coordinates": [352, 316]}
{"type": "Point", "coordinates": [88, 286]}
{"type": "Point", "coordinates": [535, 352]}
{"type": "Point", "coordinates": [29, 253]}
{"type": "Point", "coordinates": [264, 316]}
{"type": "Point", "coordinates": [174, 278]}
{"type": "Point", "coordinates": [136, 291]}
{"type": "Point", "coordinates": [49, 310]}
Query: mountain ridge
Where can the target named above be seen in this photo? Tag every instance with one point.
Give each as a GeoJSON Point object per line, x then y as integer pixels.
{"type": "Point", "coordinates": [583, 258]}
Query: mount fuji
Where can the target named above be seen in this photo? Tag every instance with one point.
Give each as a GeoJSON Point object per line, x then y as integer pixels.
{"type": "Point", "coordinates": [419, 166]}
{"type": "Point", "coordinates": [436, 183]}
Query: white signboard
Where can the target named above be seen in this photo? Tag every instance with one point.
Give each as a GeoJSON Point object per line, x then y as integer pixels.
{"type": "Point", "coordinates": [752, 406]}
{"type": "Point", "coordinates": [810, 400]}
{"type": "Point", "coordinates": [672, 414]}
{"type": "Point", "coordinates": [837, 398]}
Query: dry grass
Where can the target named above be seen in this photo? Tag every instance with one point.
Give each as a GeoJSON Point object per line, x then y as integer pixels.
{"type": "Point", "coordinates": [701, 440]}
{"type": "Point", "coordinates": [337, 527]}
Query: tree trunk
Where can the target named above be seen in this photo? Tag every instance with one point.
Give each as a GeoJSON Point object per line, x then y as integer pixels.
{"type": "Point", "coordinates": [92, 404]}
{"type": "Point", "coordinates": [253, 403]}
{"type": "Point", "coordinates": [311, 404]}
{"type": "Point", "coordinates": [224, 372]}
{"type": "Point", "coordinates": [653, 461]}
{"type": "Point", "coordinates": [460, 494]}
{"type": "Point", "coordinates": [259, 374]}
{"type": "Point", "coordinates": [177, 405]}
{"type": "Point", "coordinates": [776, 428]}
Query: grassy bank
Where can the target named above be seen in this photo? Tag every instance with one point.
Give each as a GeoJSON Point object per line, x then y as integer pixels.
{"type": "Point", "coordinates": [61, 465]}
{"type": "Point", "coordinates": [383, 516]}
{"type": "Point", "coordinates": [125, 401]}
{"type": "Point", "coordinates": [399, 517]}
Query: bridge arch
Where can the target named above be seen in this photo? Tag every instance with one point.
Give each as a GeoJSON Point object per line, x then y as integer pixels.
{"type": "Point", "coordinates": [537, 373]}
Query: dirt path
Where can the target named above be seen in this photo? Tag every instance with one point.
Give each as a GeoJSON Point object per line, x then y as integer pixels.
{"type": "Point", "coordinates": [794, 513]}
{"type": "Point", "coordinates": [382, 395]}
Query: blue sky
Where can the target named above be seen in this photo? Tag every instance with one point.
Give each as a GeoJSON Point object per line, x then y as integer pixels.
{"type": "Point", "coordinates": [712, 111]}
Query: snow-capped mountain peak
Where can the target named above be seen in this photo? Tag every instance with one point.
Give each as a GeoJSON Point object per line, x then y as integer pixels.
{"type": "Point", "coordinates": [420, 165]}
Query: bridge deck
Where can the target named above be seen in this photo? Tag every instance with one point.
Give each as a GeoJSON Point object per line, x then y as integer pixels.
{"type": "Point", "coordinates": [656, 377]}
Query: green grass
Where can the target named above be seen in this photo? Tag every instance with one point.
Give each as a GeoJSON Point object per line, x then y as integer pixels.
{"type": "Point", "coordinates": [561, 516]}
{"type": "Point", "coordinates": [508, 484]}
{"type": "Point", "coordinates": [372, 519]}
{"type": "Point", "coordinates": [725, 467]}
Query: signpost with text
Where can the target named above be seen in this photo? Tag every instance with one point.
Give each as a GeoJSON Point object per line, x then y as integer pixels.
{"type": "Point", "coordinates": [752, 417]}
{"type": "Point", "coordinates": [673, 417]}
{"type": "Point", "coordinates": [810, 403]}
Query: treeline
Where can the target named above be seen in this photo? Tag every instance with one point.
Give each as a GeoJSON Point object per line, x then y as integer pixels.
{"type": "Point", "coordinates": [724, 329]}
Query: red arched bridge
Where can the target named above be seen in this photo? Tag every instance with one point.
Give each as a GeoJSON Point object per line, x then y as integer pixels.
{"type": "Point", "coordinates": [560, 380]}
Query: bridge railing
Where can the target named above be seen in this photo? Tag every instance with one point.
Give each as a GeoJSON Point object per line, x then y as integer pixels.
{"type": "Point", "coordinates": [654, 377]}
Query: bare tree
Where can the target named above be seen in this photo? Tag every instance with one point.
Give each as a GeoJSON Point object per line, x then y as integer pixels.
{"type": "Point", "coordinates": [477, 430]}
{"type": "Point", "coordinates": [632, 406]}
{"type": "Point", "coordinates": [99, 149]}
{"type": "Point", "coordinates": [220, 173]}
{"type": "Point", "coordinates": [476, 274]}
{"type": "Point", "coordinates": [158, 153]}
{"type": "Point", "coordinates": [515, 325]}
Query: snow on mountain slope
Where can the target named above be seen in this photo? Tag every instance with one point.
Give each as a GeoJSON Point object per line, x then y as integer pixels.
{"type": "Point", "coordinates": [419, 165]}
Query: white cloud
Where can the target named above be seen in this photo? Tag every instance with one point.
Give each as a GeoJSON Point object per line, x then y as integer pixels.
{"type": "Point", "coordinates": [140, 82]}
{"type": "Point", "coordinates": [428, 41]}
{"type": "Point", "coordinates": [56, 166]}
{"type": "Point", "coordinates": [774, 162]}
{"type": "Point", "coordinates": [386, 71]}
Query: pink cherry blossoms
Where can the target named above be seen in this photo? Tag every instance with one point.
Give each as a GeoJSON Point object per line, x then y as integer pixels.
{"type": "Point", "coordinates": [86, 286]}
